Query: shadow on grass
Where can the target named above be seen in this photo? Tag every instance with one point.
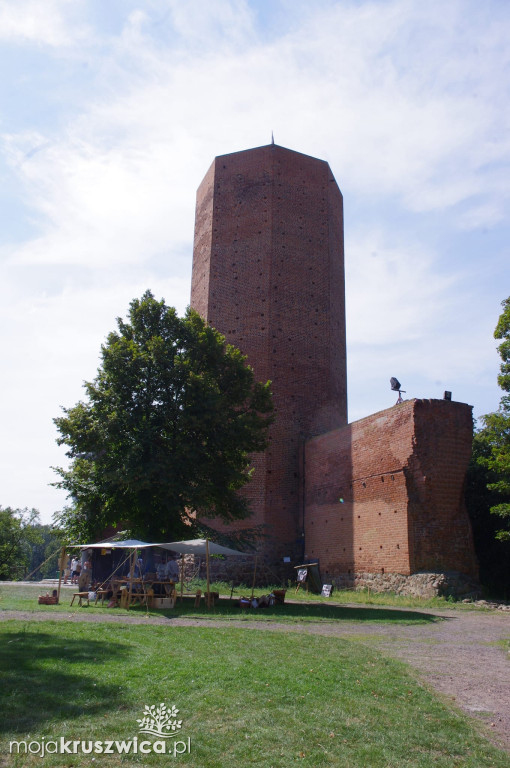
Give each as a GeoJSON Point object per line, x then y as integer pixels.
{"type": "Point", "coordinates": [39, 684]}
{"type": "Point", "coordinates": [296, 612]}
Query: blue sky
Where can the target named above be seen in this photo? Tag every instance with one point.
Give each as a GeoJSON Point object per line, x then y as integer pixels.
{"type": "Point", "coordinates": [111, 113]}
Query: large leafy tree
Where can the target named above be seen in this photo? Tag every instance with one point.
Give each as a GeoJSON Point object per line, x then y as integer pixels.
{"type": "Point", "coordinates": [45, 555]}
{"type": "Point", "coordinates": [18, 535]}
{"type": "Point", "coordinates": [488, 479]}
{"type": "Point", "coordinates": [492, 552]}
{"type": "Point", "coordinates": [166, 428]}
{"type": "Point", "coordinates": [492, 442]}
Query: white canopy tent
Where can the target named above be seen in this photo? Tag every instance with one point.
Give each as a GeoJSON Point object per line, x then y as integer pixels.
{"type": "Point", "coordinates": [200, 547]}
{"type": "Point", "coordinates": [189, 547]}
{"type": "Point", "coordinates": [127, 544]}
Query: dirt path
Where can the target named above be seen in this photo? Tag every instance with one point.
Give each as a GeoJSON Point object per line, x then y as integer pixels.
{"type": "Point", "coordinates": [462, 656]}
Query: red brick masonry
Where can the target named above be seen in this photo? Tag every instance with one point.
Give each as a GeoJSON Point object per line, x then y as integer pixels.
{"type": "Point", "coordinates": [268, 273]}
{"type": "Point", "coordinates": [385, 494]}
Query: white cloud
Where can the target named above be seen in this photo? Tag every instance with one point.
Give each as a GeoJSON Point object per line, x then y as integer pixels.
{"type": "Point", "coordinates": [409, 317]}
{"type": "Point", "coordinates": [412, 96]}
{"type": "Point", "coordinates": [202, 22]}
{"type": "Point", "coordinates": [43, 23]}
{"type": "Point", "coordinates": [105, 204]}
{"type": "Point", "coordinates": [405, 101]}
{"type": "Point", "coordinates": [357, 85]}
{"type": "Point", "coordinates": [480, 216]}
{"type": "Point", "coordinates": [395, 292]}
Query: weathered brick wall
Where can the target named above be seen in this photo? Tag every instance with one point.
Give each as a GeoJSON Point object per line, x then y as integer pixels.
{"type": "Point", "coordinates": [435, 481]}
{"type": "Point", "coordinates": [268, 273]}
{"type": "Point", "coordinates": [385, 494]}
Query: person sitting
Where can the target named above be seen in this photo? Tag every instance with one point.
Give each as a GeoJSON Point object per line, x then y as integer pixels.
{"type": "Point", "coordinates": [172, 571]}
{"type": "Point", "coordinates": [84, 580]}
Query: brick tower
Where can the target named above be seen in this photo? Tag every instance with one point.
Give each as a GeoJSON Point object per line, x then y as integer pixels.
{"type": "Point", "coordinates": [268, 273]}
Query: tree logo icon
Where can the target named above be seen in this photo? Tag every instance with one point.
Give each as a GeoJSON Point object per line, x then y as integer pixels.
{"type": "Point", "coordinates": [160, 721]}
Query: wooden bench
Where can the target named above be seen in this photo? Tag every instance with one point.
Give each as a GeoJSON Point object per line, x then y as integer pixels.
{"type": "Point", "coordinates": [101, 595]}
{"type": "Point", "coordinates": [81, 596]}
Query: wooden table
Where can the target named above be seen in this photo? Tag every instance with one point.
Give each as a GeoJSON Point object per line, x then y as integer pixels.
{"type": "Point", "coordinates": [141, 590]}
{"type": "Point", "coordinates": [166, 590]}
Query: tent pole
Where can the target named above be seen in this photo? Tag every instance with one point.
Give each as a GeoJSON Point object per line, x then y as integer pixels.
{"type": "Point", "coordinates": [208, 601]}
{"type": "Point", "coordinates": [61, 568]}
{"type": "Point", "coordinates": [182, 573]}
{"type": "Point", "coordinates": [131, 576]}
{"type": "Point", "coordinates": [254, 574]}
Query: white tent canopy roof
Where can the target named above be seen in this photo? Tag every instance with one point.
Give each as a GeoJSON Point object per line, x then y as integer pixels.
{"type": "Point", "coordinates": [198, 547]}
{"type": "Point", "coordinates": [127, 544]}
{"type": "Point", "coordinates": [190, 547]}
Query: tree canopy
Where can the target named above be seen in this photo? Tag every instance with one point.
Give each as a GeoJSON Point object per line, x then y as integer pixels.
{"type": "Point", "coordinates": [19, 534]}
{"type": "Point", "coordinates": [166, 428]}
{"type": "Point", "coordinates": [493, 553]}
{"type": "Point", "coordinates": [494, 438]}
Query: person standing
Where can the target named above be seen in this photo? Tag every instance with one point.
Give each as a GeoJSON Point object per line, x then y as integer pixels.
{"type": "Point", "coordinates": [67, 569]}
{"type": "Point", "coordinates": [74, 572]}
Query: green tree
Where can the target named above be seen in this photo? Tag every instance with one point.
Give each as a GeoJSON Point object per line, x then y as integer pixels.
{"type": "Point", "coordinates": [493, 554]}
{"type": "Point", "coordinates": [18, 535]}
{"type": "Point", "coordinates": [45, 555]}
{"type": "Point", "coordinates": [494, 437]}
{"type": "Point", "coordinates": [166, 429]}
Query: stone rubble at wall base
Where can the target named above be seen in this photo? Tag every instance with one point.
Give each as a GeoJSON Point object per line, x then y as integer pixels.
{"type": "Point", "coordinates": [491, 605]}
{"type": "Point", "coordinates": [421, 585]}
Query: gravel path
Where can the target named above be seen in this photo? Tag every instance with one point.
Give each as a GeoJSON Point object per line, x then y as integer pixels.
{"type": "Point", "coordinates": [462, 656]}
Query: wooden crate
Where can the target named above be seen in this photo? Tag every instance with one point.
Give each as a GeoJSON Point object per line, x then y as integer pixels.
{"type": "Point", "coordinates": [162, 602]}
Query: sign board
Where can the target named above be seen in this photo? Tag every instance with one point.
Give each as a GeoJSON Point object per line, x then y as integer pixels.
{"type": "Point", "coordinates": [327, 589]}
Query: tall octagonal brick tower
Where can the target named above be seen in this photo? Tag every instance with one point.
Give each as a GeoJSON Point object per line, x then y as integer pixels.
{"type": "Point", "coordinates": [268, 273]}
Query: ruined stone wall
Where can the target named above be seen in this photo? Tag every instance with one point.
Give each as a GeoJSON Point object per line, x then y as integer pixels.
{"type": "Point", "coordinates": [385, 494]}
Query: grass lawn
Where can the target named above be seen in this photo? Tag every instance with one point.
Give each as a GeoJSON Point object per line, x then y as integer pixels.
{"type": "Point", "coordinates": [24, 598]}
{"type": "Point", "coordinates": [245, 698]}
